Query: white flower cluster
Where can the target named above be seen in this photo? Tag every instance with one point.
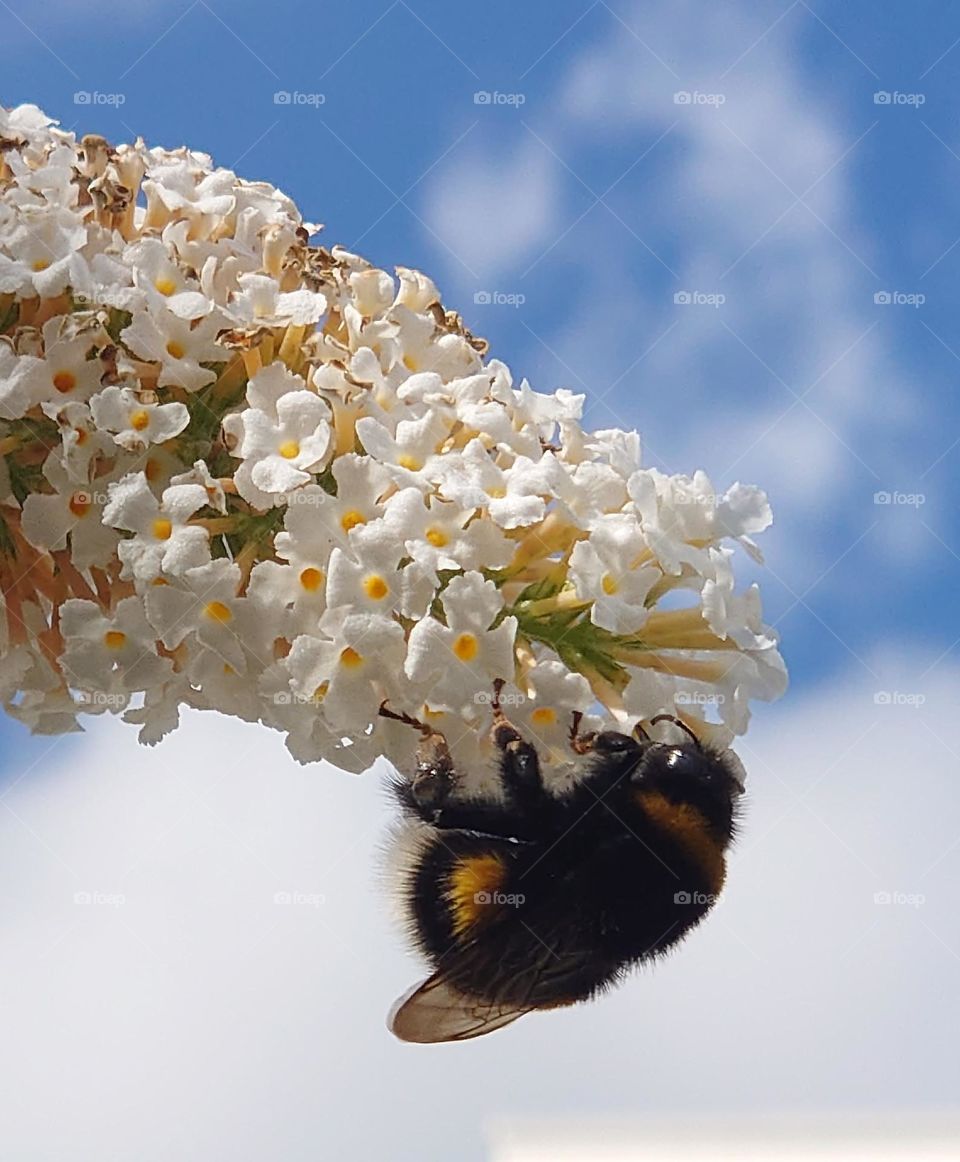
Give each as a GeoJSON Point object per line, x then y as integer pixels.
{"type": "Point", "coordinates": [244, 473]}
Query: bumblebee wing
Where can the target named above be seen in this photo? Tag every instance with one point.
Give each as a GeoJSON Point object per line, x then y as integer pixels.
{"type": "Point", "coordinates": [437, 1011]}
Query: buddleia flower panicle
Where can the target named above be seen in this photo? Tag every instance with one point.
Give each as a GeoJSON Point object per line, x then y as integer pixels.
{"type": "Point", "coordinates": [244, 473]}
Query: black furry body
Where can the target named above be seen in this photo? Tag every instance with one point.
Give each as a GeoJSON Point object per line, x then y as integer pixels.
{"type": "Point", "coordinates": [575, 889]}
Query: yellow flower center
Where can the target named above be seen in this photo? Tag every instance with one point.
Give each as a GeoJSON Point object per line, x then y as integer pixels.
{"type": "Point", "coordinates": [113, 639]}
{"type": "Point", "coordinates": [311, 579]}
{"type": "Point", "coordinates": [544, 716]}
{"type": "Point", "coordinates": [351, 519]}
{"type": "Point", "coordinates": [412, 463]}
{"type": "Point", "coordinates": [175, 349]}
{"type": "Point", "coordinates": [64, 381]}
{"type": "Point", "coordinates": [289, 449]}
{"type": "Point", "coordinates": [82, 436]}
{"type": "Point", "coordinates": [217, 611]}
{"type": "Point", "coordinates": [166, 286]}
{"type": "Point", "coordinates": [139, 419]}
{"type": "Point", "coordinates": [466, 647]}
{"type": "Point", "coordinates": [79, 504]}
{"type": "Point", "coordinates": [375, 587]}
{"type": "Point", "coordinates": [411, 363]}
{"type": "Point", "coordinates": [162, 528]}
{"type": "Point", "coordinates": [437, 537]}
{"type": "Point", "coordinates": [159, 581]}
{"type": "Point", "coordinates": [39, 264]}
{"type": "Point", "coordinates": [610, 585]}
{"type": "Point", "coordinates": [497, 493]}
{"type": "Point", "coordinates": [321, 692]}
{"type": "Point", "coordinates": [350, 658]}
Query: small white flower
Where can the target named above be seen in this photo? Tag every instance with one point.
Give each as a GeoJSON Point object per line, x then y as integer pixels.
{"type": "Point", "coordinates": [164, 542]}
{"type": "Point", "coordinates": [280, 453]}
{"type": "Point", "coordinates": [134, 422]}
{"type": "Point", "coordinates": [469, 652]}
{"type": "Point", "coordinates": [351, 671]}
{"type": "Point", "coordinates": [260, 303]}
{"type": "Point", "coordinates": [605, 570]}
{"type": "Point", "coordinates": [179, 346]}
{"type": "Point", "coordinates": [113, 654]}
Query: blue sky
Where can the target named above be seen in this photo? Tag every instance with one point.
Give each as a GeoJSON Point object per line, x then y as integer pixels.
{"type": "Point", "coordinates": [783, 198]}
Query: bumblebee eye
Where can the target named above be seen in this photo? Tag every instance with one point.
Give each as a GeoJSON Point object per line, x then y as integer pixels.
{"type": "Point", "coordinates": [685, 763]}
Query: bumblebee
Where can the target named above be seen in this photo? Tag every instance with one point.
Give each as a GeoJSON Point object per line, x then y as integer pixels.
{"type": "Point", "coordinates": [536, 900]}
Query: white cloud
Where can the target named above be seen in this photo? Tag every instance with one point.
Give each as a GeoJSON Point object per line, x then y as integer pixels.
{"type": "Point", "coordinates": [715, 199]}
{"type": "Point", "coordinates": [198, 1018]}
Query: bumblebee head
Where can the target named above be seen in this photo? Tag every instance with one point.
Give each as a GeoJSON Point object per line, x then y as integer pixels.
{"type": "Point", "coordinates": [693, 774]}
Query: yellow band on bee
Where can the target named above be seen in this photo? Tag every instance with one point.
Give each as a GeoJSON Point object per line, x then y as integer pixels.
{"type": "Point", "coordinates": [691, 831]}
{"type": "Point", "coordinates": [472, 883]}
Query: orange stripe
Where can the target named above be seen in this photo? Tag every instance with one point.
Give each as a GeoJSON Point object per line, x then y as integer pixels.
{"type": "Point", "coordinates": [472, 881]}
{"type": "Point", "coordinates": [689, 828]}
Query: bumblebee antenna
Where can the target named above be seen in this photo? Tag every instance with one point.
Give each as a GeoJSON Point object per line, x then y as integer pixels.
{"type": "Point", "coordinates": [580, 743]}
{"type": "Point", "coordinates": [641, 734]}
{"type": "Point", "coordinates": [406, 719]}
{"type": "Point", "coordinates": [677, 722]}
